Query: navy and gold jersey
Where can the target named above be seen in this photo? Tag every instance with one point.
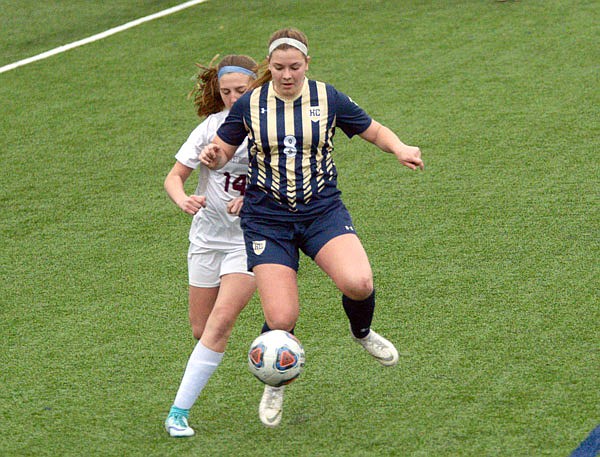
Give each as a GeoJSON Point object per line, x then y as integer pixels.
{"type": "Point", "coordinates": [290, 143]}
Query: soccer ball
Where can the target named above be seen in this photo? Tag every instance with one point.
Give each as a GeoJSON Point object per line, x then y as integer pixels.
{"type": "Point", "coordinates": [276, 358]}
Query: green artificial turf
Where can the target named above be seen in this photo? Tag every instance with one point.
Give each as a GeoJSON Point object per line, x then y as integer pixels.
{"type": "Point", "coordinates": [486, 263]}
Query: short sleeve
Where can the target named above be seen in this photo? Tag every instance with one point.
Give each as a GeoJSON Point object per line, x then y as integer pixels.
{"type": "Point", "coordinates": [350, 117]}
{"type": "Point", "coordinates": [233, 130]}
{"type": "Point", "coordinates": [200, 137]}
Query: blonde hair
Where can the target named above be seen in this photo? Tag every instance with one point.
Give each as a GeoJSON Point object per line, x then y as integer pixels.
{"type": "Point", "coordinates": [290, 32]}
{"type": "Point", "coordinates": [205, 94]}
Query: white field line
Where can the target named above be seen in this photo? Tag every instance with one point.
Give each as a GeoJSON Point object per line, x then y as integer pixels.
{"type": "Point", "coordinates": [100, 36]}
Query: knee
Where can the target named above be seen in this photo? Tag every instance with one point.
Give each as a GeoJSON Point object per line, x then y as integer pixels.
{"type": "Point", "coordinates": [359, 287]}
{"type": "Point", "coordinates": [282, 321]}
{"type": "Point", "coordinates": [221, 322]}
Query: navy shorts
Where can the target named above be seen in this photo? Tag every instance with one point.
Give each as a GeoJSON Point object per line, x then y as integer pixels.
{"type": "Point", "coordinates": [279, 242]}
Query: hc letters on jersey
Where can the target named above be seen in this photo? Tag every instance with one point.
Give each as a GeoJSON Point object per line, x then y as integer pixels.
{"type": "Point", "coordinates": [259, 246]}
{"type": "Point", "coordinates": [314, 113]}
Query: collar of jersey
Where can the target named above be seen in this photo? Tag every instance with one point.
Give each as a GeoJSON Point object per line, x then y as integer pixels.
{"type": "Point", "coordinates": [291, 99]}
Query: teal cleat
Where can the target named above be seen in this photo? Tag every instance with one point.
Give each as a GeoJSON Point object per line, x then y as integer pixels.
{"type": "Point", "coordinates": [177, 426]}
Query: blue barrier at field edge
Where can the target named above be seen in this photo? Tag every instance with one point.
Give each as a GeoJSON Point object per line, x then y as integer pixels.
{"type": "Point", "coordinates": [590, 447]}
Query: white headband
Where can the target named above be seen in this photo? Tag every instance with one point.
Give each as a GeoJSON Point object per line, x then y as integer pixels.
{"type": "Point", "coordinates": [292, 42]}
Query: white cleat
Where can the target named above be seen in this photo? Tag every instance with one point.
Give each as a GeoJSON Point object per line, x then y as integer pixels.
{"type": "Point", "coordinates": [270, 409]}
{"type": "Point", "coordinates": [380, 348]}
{"type": "Point", "coordinates": [177, 426]}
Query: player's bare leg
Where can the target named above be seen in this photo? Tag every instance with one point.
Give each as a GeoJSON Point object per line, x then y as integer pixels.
{"type": "Point", "coordinates": [201, 302]}
{"type": "Point", "coordinates": [345, 261]}
{"type": "Point", "coordinates": [278, 289]}
{"type": "Point", "coordinates": [213, 312]}
{"type": "Point", "coordinates": [236, 290]}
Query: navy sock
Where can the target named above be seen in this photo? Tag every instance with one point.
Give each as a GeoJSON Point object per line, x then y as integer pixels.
{"type": "Point", "coordinates": [360, 313]}
{"type": "Point", "coordinates": [266, 328]}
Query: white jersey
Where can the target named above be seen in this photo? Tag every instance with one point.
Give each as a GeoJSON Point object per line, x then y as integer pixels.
{"type": "Point", "coordinates": [213, 227]}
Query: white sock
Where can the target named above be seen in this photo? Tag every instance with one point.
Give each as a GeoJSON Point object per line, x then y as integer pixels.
{"type": "Point", "coordinates": [200, 367]}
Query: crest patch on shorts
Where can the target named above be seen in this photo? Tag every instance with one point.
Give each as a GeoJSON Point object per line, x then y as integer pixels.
{"type": "Point", "coordinates": [259, 246]}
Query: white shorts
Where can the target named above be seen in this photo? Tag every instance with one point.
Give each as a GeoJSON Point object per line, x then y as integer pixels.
{"type": "Point", "coordinates": [206, 266]}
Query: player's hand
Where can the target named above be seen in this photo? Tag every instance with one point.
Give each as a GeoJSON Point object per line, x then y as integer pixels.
{"type": "Point", "coordinates": [410, 156]}
{"type": "Point", "coordinates": [211, 156]}
{"type": "Point", "coordinates": [235, 206]}
{"type": "Point", "coordinates": [192, 204]}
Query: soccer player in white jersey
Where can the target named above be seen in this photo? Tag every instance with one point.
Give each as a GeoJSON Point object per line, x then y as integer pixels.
{"type": "Point", "coordinates": [220, 284]}
{"type": "Point", "coordinates": [292, 202]}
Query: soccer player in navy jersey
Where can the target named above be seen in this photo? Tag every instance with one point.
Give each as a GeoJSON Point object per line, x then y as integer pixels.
{"type": "Point", "coordinates": [292, 202]}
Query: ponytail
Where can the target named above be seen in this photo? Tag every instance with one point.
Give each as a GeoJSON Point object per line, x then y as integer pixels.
{"type": "Point", "coordinates": [205, 94]}
{"type": "Point", "coordinates": [264, 75]}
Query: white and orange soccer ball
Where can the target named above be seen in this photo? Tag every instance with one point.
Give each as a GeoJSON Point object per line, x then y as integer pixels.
{"type": "Point", "coordinates": [276, 358]}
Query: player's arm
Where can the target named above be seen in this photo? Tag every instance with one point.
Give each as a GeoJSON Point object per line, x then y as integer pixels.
{"type": "Point", "coordinates": [216, 154]}
{"type": "Point", "coordinates": [388, 141]}
{"type": "Point", "coordinates": [174, 182]}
